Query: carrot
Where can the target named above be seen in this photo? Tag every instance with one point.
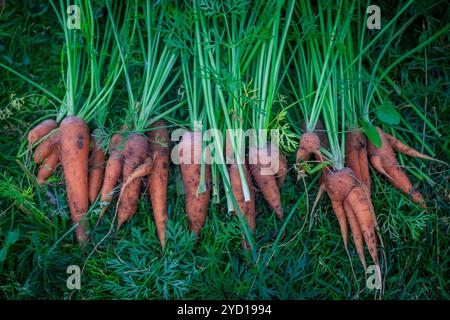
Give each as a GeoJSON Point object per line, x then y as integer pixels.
{"type": "Point", "coordinates": [399, 146]}
{"type": "Point", "coordinates": [384, 161]}
{"type": "Point", "coordinates": [261, 168]}
{"type": "Point", "coordinates": [112, 172]}
{"type": "Point", "coordinates": [41, 130]}
{"type": "Point", "coordinates": [319, 130]}
{"type": "Point", "coordinates": [96, 172]}
{"type": "Point", "coordinates": [247, 208]}
{"type": "Point", "coordinates": [356, 156]}
{"type": "Point", "coordinates": [47, 167]}
{"type": "Point", "coordinates": [74, 147]}
{"type": "Point", "coordinates": [43, 150]}
{"type": "Point", "coordinates": [362, 208]}
{"type": "Point", "coordinates": [342, 220]}
{"type": "Point", "coordinates": [196, 203]}
{"type": "Point", "coordinates": [348, 194]}
{"type": "Point", "coordinates": [309, 144]}
{"type": "Point", "coordinates": [135, 152]}
{"type": "Point", "coordinates": [158, 178]}
{"type": "Point", "coordinates": [340, 183]}
{"type": "Point", "coordinates": [356, 232]}
{"type": "Point", "coordinates": [282, 170]}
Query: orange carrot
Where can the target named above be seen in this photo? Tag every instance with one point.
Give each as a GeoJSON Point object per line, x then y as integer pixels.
{"type": "Point", "coordinates": [196, 203]}
{"type": "Point", "coordinates": [113, 171]}
{"type": "Point", "coordinates": [282, 170]}
{"type": "Point", "coordinates": [399, 146]}
{"type": "Point", "coordinates": [384, 161]}
{"type": "Point", "coordinates": [356, 156]}
{"type": "Point", "coordinates": [47, 167]}
{"type": "Point", "coordinates": [346, 191]}
{"type": "Point", "coordinates": [339, 183]}
{"type": "Point", "coordinates": [158, 178]}
{"type": "Point", "coordinates": [96, 172]}
{"type": "Point", "coordinates": [356, 232]}
{"type": "Point", "coordinates": [362, 208]}
{"type": "Point", "coordinates": [135, 152]}
{"type": "Point", "coordinates": [41, 130]}
{"type": "Point", "coordinates": [247, 208]}
{"type": "Point", "coordinates": [342, 220]}
{"type": "Point", "coordinates": [263, 169]}
{"type": "Point", "coordinates": [46, 147]}
{"type": "Point", "coordinates": [309, 144]}
{"type": "Point", "coordinates": [74, 147]}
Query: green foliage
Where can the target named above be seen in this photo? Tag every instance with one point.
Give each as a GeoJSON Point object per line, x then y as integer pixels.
{"type": "Point", "coordinates": [372, 133]}
{"type": "Point", "coordinates": [387, 114]}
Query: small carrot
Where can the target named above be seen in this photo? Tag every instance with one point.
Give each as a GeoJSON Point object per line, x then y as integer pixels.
{"type": "Point", "coordinates": [384, 161]}
{"type": "Point", "coordinates": [41, 130]}
{"type": "Point", "coordinates": [135, 152]}
{"type": "Point", "coordinates": [309, 144]}
{"type": "Point", "coordinates": [282, 170]}
{"type": "Point", "coordinates": [399, 146]}
{"type": "Point", "coordinates": [261, 168]}
{"type": "Point", "coordinates": [196, 203]}
{"type": "Point", "coordinates": [159, 145]}
{"type": "Point", "coordinates": [74, 147]}
{"type": "Point", "coordinates": [47, 167]}
{"type": "Point", "coordinates": [360, 204]}
{"type": "Point", "coordinates": [46, 147]}
{"type": "Point", "coordinates": [356, 232]}
{"type": "Point", "coordinates": [113, 171]}
{"type": "Point", "coordinates": [356, 156]}
{"type": "Point", "coordinates": [96, 171]}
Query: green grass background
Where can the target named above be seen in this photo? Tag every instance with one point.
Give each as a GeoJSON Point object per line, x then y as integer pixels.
{"type": "Point", "coordinates": [36, 245]}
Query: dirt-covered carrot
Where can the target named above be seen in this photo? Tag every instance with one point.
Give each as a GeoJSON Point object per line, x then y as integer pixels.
{"type": "Point", "coordinates": [384, 161]}
{"type": "Point", "coordinates": [113, 171]}
{"type": "Point", "coordinates": [356, 232]}
{"type": "Point", "coordinates": [47, 167]}
{"type": "Point", "coordinates": [309, 144]}
{"type": "Point", "coordinates": [142, 170]}
{"type": "Point", "coordinates": [399, 146]}
{"type": "Point", "coordinates": [348, 193]}
{"type": "Point", "coordinates": [282, 170]}
{"type": "Point", "coordinates": [356, 156]}
{"type": "Point", "coordinates": [41, 130]}
{"type": "Point", "coordinates": [159, 144]}
{"type": "Point", "coordinates": [360, 204]}
{"type": "Point", "coordinates": [338, 185]}
{"type": "Point", "coordinates": [342, 220]}
{"type": "Point", "coordinates": [247, 208]}
{"type": "Point", "coordinates": [196, 202]}
{"type": "Point", "coordinates": [74, 153]}
{"type": "Point", "coordinates": [263, 169]}
{"type": "Point", "coordinates": [135, 152]}
{"type": "Point", "coordinates": [46, 147]}
{"type": "Point", "coordinates": [96, 170]}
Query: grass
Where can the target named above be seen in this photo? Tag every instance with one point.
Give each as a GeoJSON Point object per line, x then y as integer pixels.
{"type": "Point", "coordinates": [308, 263]}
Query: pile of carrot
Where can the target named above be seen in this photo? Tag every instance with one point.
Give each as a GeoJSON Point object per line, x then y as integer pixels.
{"type": "Point", "coordinates": [137, 158]}
{"type": "Point", "coordinates": [140, 156]}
